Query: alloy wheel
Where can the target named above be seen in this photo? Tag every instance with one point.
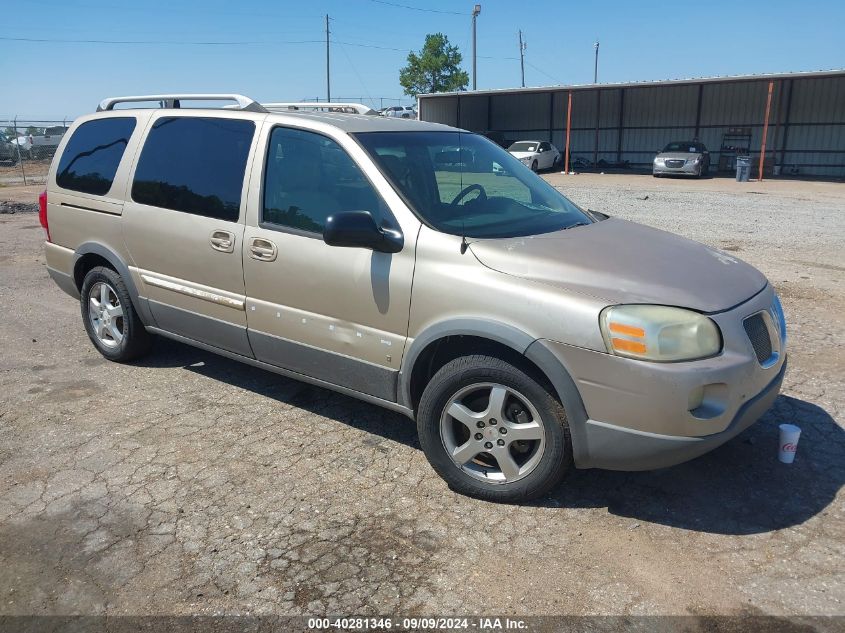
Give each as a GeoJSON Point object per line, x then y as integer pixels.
{"type": "Point", "coordinates": [106, 314]}
{"type": "Point", "coordinates": [493, 433]}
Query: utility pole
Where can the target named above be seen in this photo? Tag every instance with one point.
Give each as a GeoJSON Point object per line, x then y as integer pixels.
{"type": "Point", "coordinates": [328, 69]}
{"type": "Point", "coordinates": [476, 10]}
{"type": "Point", "coordinates": [596, 68]}
{"type": "Point", "coordinates": [522, 47]}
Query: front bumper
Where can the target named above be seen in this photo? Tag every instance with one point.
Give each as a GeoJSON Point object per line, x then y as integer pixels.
{"type": "Point", "coordinates": [619, 448]}
{"type": "Point", "coordinates": [639, 415]}
{"type": "Point", "coordinates": [689, 169]}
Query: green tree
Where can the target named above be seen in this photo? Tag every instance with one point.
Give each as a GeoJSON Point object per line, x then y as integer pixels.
{"type": "Point", "coordinates": [436, 68]}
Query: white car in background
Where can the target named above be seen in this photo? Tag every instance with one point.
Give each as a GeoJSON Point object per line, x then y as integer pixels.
{"type": "Point", "coordinates": [535, 154]}
{"type": "Point", "coordinates": [400, 112]}
{"type": "Point", "coordinates": [24, 141]}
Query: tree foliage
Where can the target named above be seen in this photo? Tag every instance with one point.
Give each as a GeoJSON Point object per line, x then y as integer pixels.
{"type": "Point", "coordinates": [436, 68]}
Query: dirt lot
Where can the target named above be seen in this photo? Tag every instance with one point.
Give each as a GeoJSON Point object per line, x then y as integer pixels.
{"type": "Point", "coordinates": [188, 483]}
{"type": "Point", "coordinates": [34, 170]}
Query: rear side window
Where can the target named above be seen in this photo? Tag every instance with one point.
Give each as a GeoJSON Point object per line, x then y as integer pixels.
{"type": "Point", "coordinates": [195, 165]}
{"type": "Point", "coordinates": [92, 155]}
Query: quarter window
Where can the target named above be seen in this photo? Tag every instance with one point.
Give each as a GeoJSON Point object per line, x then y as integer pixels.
{"type": "Point", "coordinates": [195, 165]}
{"type": "Point", "coordinates": [308, 177]}
{"type": "Point", "coordinates": [90, 159]}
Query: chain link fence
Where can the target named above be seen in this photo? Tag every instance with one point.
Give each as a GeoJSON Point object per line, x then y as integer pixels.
{"type": "Point", "coordinates": [26, 148]}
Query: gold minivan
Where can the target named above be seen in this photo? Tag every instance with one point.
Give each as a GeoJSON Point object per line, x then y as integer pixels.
{"type": "Point", "coordinates": [418, 267]}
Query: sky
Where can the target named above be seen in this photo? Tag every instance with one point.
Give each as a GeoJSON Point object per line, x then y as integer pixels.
{"type": "Point", "coordinates": [64, 56]}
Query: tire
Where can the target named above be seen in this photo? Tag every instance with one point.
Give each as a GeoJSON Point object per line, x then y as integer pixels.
{"type": "Point", "coordinates": [517, 418]}
{"type": "Point", "coordinates": [534, 167]}
{"type": "Point", "coordinates": [110, 318]}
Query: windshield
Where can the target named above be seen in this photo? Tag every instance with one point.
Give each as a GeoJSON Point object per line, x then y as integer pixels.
{"type": "Point", "coordinates": [685, 146]}
{"type": "Point", "coordinates": [524, 146]}
{"type": "Point", "coordinates": [463, 184]}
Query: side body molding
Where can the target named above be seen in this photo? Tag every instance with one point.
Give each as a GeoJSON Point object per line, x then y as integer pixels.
{"type": "Point", "coordinates": [107, 253]}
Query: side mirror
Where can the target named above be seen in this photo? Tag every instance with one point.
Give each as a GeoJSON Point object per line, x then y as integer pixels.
{"type": "Point", "coordinates": [358, 229]}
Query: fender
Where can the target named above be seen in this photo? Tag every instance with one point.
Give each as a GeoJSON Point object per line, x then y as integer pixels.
{"type": "Point", "coordinates": [576, 413]}
{"type": "Point", "coordinates": [106, 252]}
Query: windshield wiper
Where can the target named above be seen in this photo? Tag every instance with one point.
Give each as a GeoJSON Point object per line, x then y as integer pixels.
{"type": "Point", "coordinates": [572, 226]}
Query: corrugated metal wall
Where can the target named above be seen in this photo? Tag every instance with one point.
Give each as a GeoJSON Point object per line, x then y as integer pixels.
{"type": "Point", "coordinates": [806, 125]}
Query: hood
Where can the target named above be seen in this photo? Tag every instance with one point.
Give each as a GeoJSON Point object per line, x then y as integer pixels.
{"type": "Point", "coordinates": [522, 154]}
{"type": "Point", "coordinates": [684, 155]}
{"type": "Point", "coordinates": [625, 262]}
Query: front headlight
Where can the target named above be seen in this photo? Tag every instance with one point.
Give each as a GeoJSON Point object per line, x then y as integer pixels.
{"type": "Point", "coordinates": [659, 161]}
{"type": "Point", "coordinates": [659, 333]}
{"type": "Point", "coordinates": [526, 160]}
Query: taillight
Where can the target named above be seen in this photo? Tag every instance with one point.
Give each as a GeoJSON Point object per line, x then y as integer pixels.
{"type": "Point", "coordinates": [42, 213]}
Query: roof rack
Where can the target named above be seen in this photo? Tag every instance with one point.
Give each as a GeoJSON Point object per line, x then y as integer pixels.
{"type": "Point", "coordinates": [173, 101]}
{"type": "Point", "coordinates": [319, 106]}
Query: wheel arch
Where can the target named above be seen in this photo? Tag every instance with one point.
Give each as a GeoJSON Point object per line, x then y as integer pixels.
{"type": "Point", "coordinates": [444, 341]}
{"type": "Point", "coordinates": [472, 331]}
{"type": "Point", "coordinates": [92, 254]}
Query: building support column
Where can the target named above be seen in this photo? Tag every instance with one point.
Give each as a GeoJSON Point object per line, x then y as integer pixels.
{"type": "Point", "coordinates": [621, 125]}
{"type": "Point", "coordinates": [698, 112]}
{"type": "Point", "coordinates": [568, 125]}
{"type": "Point", "coordinates": [598, 120]}
{"type": "Point", "coordinates": [765, 130]}
{"type": "Point", "coordinates": [786, 117]}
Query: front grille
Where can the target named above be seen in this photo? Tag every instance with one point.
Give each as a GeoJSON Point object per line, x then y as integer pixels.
{"type": "Point", "coordinates": [758, 334]}
{"type": "Point", "coordinates": [675, 163]}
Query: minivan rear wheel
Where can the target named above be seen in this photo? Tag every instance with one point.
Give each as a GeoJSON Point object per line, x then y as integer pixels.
{"type": "Point", "coordinates": [110, 318]}
{"type": "Point", "coordinates": [492, 431]}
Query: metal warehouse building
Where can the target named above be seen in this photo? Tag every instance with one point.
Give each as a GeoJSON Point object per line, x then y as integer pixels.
{"type": "Point", "coordinates": [624, 124]}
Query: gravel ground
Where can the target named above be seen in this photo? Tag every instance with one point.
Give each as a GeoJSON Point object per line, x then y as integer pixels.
{"type": "Point", "coordinates": [188, 483]}
{"type": "Point", "coordinates": [9, 207]}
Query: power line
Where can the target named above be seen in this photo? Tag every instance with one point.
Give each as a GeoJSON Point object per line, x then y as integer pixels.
{"type": "Point", "coordinates": [157, 42]}
{"type": "Point", "coordinates": [39, 40]}
{"type": "Point", "coordinates": [405, 6]}
{"type": "Point", "coordinates": [383, 48]}
{"type": "Point", "coordinates": [543, 72]}
{"type": "Point", "coordinates": [355, 70]}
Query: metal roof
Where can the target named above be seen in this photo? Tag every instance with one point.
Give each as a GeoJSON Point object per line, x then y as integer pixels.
{"type": "Point", "coordinates": [645, 84]}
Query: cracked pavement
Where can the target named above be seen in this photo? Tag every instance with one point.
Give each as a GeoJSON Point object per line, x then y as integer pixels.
{"type": "Point", "coordinates": [187, 483]}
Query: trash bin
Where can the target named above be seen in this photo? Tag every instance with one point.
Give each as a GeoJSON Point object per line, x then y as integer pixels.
{"type": "Point", "coordinates": [743, 168]}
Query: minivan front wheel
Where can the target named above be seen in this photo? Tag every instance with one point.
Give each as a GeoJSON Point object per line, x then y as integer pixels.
{"type": "Point", "coordinates": [110, 318]}
{"type": "Point", "coordinates": [492, 431]}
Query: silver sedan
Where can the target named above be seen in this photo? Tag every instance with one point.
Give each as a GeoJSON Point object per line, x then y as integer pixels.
{"type": "Point", "coordinates": [682, 158]}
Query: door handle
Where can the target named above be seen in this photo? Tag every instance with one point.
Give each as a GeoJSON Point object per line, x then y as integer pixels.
{"type": "Point", "coordinates": [222, 241]}
{"type": "Point", "coordinates": [262, 250]}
